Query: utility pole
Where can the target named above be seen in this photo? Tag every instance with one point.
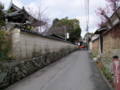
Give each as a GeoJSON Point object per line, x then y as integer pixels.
{"type": "Point", "coordinates": [87, 22]}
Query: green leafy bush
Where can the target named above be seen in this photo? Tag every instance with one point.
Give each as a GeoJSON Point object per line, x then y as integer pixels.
{"type": "Point", "coordinates": [4, 45]}
{"type": "Point", "coordinates": [2, 15]}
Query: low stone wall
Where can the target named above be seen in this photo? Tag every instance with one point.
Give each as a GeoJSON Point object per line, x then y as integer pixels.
{"type": "Point", "coordinates": [15, 70]}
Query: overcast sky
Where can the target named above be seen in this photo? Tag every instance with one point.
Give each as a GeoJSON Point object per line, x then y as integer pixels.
{"type": "Point", "coordinates": [63, 8]}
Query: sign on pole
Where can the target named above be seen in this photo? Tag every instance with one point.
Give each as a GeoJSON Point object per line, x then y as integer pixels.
{"type": "Point", "coordinates": [116, 66]}
{"type": "Point", "coordinates": [68, 36]}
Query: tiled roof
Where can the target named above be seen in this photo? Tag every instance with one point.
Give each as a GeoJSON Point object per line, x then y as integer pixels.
{"type": "Point", "coordinates": [47, 36]}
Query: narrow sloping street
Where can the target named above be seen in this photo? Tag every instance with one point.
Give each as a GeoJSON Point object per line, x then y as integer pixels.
{"type": "Point", "coordinates": [73, 72]}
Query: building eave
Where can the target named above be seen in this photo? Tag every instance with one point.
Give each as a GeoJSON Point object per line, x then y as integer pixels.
{"type": "Point", "coordinates": [100, 31]}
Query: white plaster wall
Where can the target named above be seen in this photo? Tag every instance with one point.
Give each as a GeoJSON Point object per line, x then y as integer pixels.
{"type": "Point", "coordinates": [27, 45]}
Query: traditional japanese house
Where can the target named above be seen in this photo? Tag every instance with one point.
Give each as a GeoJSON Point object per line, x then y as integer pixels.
{"type": "Point", "coordinates": [109, 36]}
{"type": "Point", "coordinates": [20, 17]}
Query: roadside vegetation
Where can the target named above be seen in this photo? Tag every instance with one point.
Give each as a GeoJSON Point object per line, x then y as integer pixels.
{"type": "Point", "coordinates": [106, 73]}
{"type": "Point", "coordinates": [4, 45]}
{"type": "Point", "coordinates": [102, 68]}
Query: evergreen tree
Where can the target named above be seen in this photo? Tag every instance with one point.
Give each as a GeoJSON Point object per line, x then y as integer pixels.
{"type": "Point", "coordinates": [2, 16]}
{"type": "Point", "coordinates": [71, 25]}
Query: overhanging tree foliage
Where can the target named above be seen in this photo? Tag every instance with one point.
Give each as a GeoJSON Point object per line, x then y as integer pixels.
{"type": "Point", "coordinates": [112, 7]}
{"type": "Point", "coordinates": [114, 4]}
{"type": "Point", "coordinates": [103, 13]}
{"type": "Point", "coordinates": [2, 19]}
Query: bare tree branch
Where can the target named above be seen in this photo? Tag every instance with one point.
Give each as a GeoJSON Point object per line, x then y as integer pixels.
{"type": "Point", "coordinates": [40, 16]}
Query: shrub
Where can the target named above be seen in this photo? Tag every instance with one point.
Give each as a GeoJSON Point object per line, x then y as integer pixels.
{"type": "Point", "coordinates": [4, 45]}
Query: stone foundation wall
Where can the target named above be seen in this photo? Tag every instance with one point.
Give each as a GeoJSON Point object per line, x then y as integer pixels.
{"type": "Point", "coordinates": [15, 70]}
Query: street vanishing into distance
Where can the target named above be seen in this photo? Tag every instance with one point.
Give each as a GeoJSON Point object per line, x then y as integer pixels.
{"type": "Point", "coordinates": [59, 44]}
{"type": "Point", "coordinates": [73, 72]}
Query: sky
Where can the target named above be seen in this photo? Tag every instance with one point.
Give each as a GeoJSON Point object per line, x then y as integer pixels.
{"type": "Point", "coordinates": [62, 8]}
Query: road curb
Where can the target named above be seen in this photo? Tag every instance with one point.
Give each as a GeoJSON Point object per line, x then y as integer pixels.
{"type": "Point", "coordinates": [107, 82]}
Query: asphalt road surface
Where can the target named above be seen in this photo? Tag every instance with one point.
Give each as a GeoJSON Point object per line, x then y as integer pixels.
{"type": "Point", "coordinates": [73, 72]}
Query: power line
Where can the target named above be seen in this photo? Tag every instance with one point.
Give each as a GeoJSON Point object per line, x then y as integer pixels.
{"type": "Point", "coordinates": [87, 15]}
{"type": "Point", "coordinates": [86, 7]}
